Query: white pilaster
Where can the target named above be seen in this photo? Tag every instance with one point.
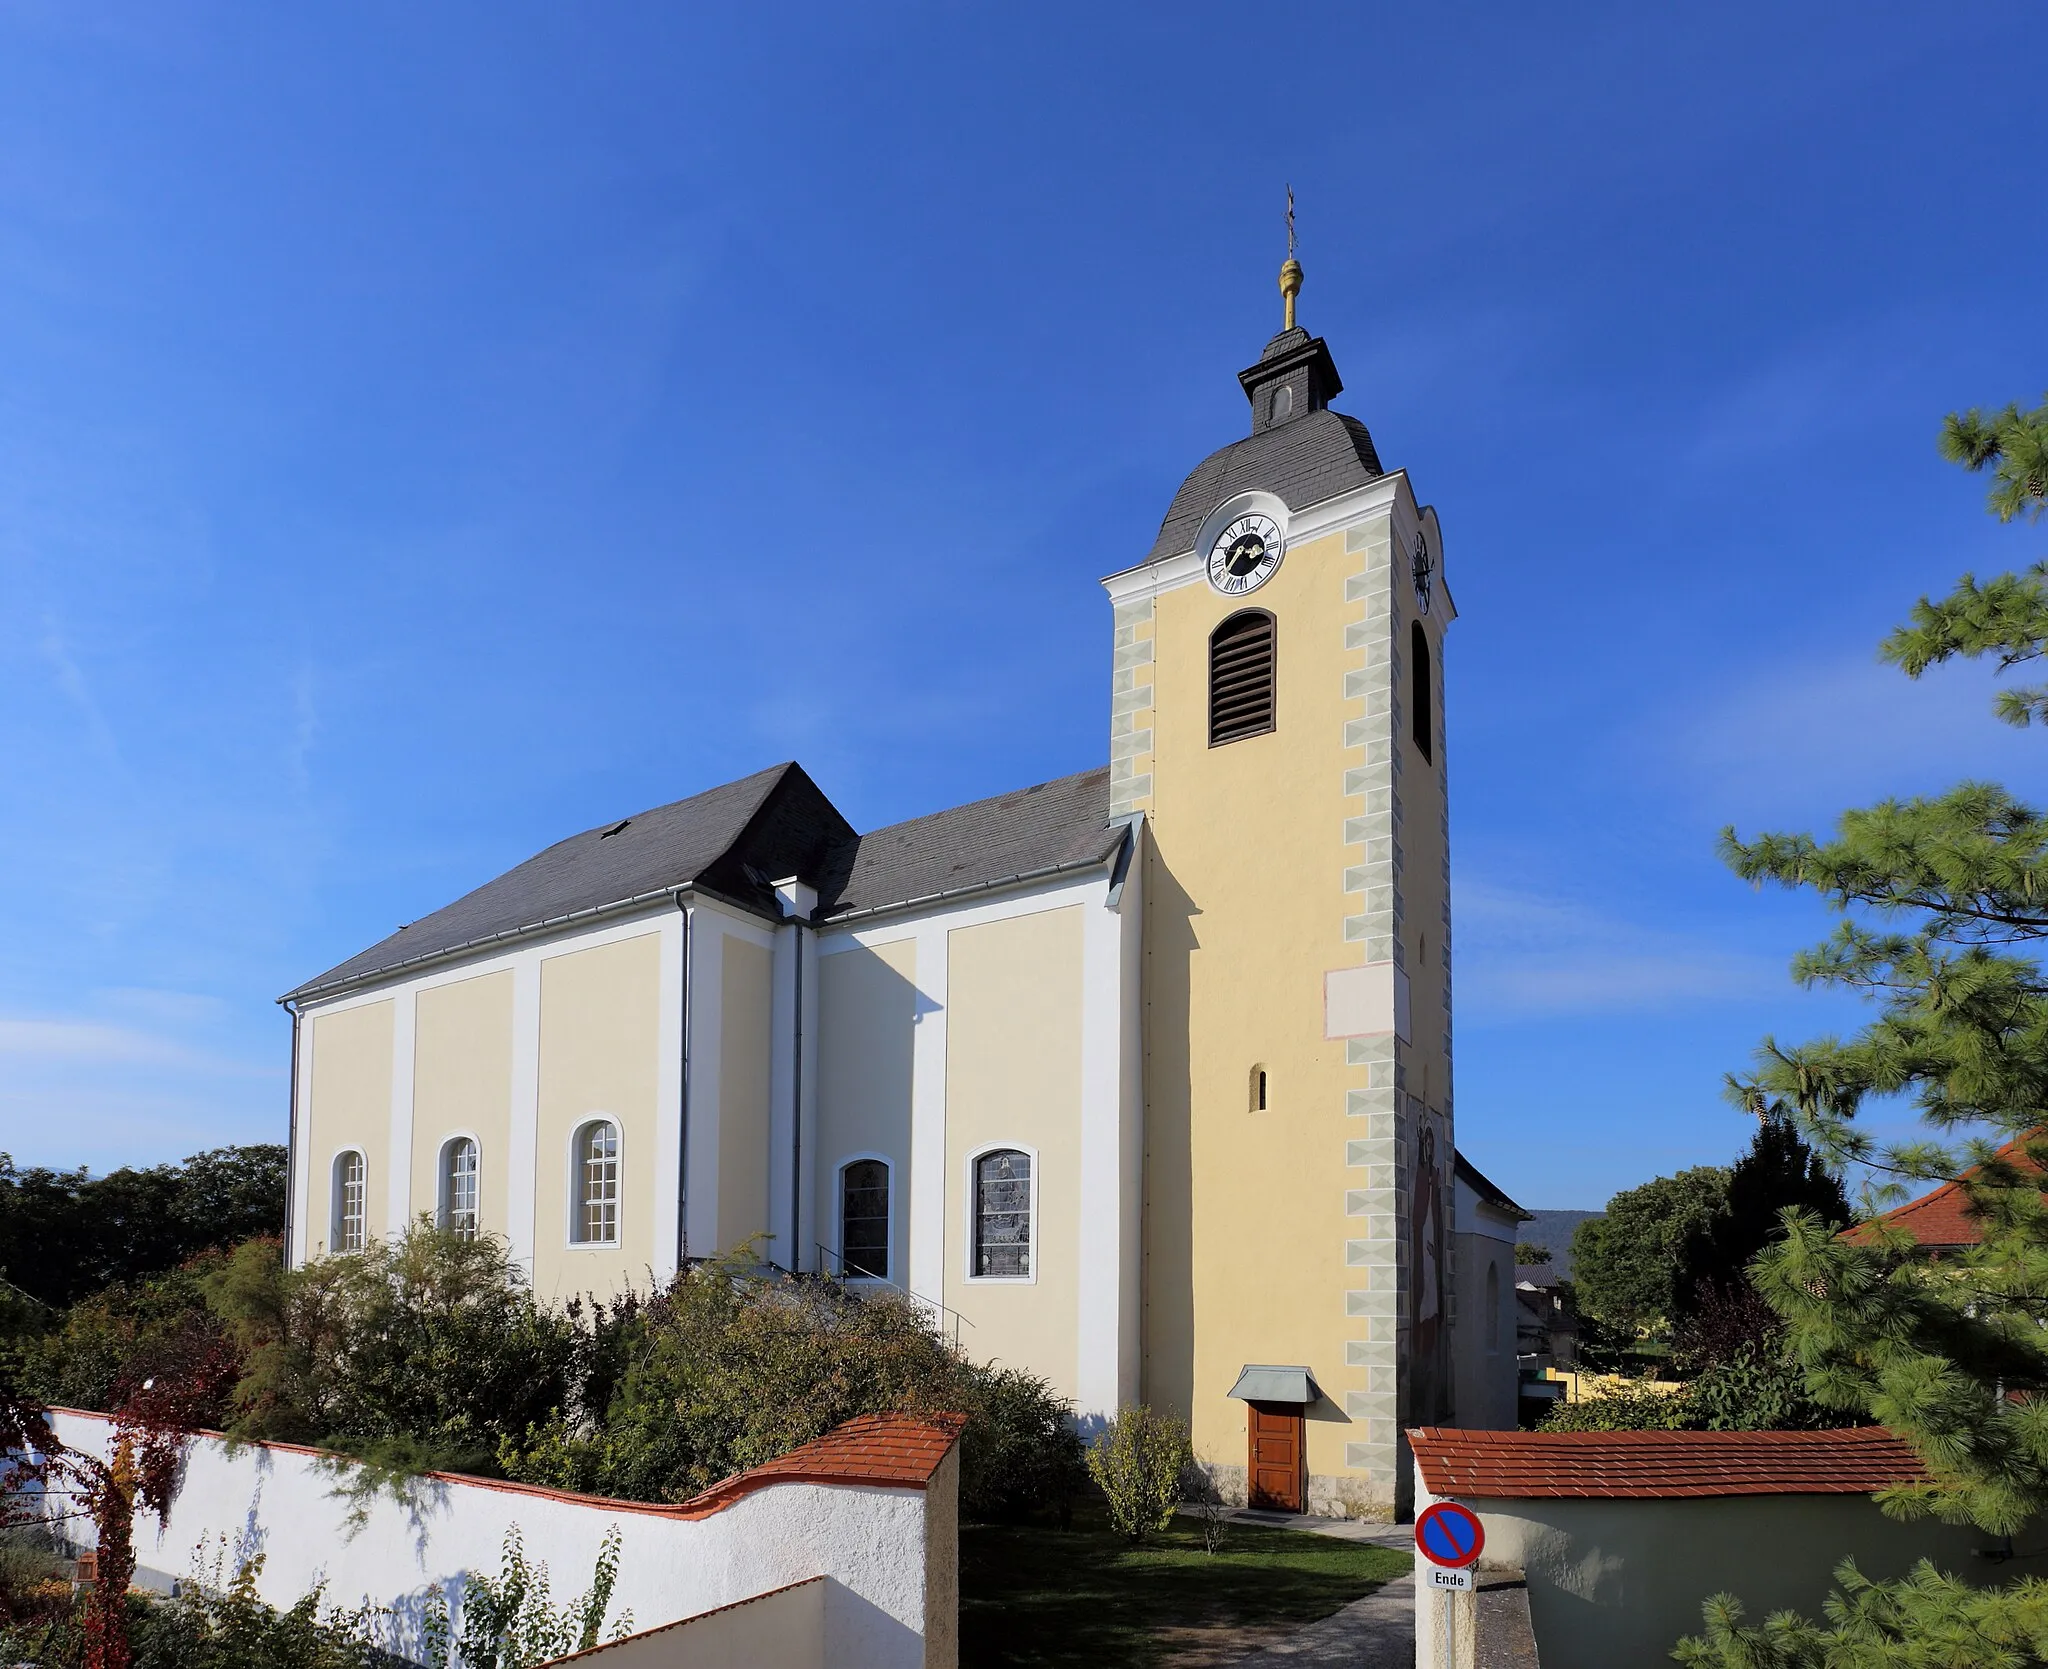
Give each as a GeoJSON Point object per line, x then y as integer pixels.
{"type": "Point", "coordinates": [302, 1177]}
{"type": "Point", "coordinates": [926, 1256]}
{"type": "Point", "coordinates": [668, 1076]}
{"type": "Point", "coordinates": [784, 1247]}
{"type": "Point", "coordinates": [398, 1164]}
{"type": "Point", "coordinates": [707, 1053]}
{"type": "Point", "coordinates": [1104, 1376]}
{"type": "Point", "coordinates": [520, 1152]}
{"type": "Point", "coordinates": [808, 1231]}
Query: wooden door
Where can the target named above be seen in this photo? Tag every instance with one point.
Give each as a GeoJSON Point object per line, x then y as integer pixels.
{"type": "Point", "coordinates": [1275, 1469]}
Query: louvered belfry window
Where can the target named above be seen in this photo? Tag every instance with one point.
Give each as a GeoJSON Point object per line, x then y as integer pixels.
{"type": "Point", "coordinates": [1241, 658]}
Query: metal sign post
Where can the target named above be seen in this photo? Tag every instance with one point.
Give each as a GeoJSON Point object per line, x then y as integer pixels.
{"type": "Point", "coordinates": [1451, 1538]}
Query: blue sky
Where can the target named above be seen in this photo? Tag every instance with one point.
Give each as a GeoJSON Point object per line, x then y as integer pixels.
{"type": "Point", "coordinates": [425, 432]}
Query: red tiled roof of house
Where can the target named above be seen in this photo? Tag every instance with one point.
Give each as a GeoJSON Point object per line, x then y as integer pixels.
{"type": "Point", "coordinates": [1661, 1464]}
{"type": "Point", "coordinates": [1943, 1217]}
{"type": "Point", "coordinates": [889, 1450]}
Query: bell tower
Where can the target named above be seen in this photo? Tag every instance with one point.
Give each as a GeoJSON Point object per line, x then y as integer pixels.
{"type": "Point", "coordinates": [1277, 720]}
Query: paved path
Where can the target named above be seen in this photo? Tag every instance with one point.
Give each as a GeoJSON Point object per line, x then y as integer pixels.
{"type": "Point", "coordinates": [1376, 1632]}
{"type": "Point", "coordinates": [1401, 1536]}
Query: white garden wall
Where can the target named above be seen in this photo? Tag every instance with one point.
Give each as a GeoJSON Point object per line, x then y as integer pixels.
{"type": "Point", "coordinates": [785, 1629]}
{"type": "Point", "coordinates": [886, 1549]}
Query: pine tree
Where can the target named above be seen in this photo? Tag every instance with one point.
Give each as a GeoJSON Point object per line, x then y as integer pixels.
{"type": "Point", "coordinates": [1942, 900]}
{"type": "Point", "coordinates": [2008, 616]}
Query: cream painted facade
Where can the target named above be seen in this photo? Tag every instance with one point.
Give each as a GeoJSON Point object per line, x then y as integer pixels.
{"type": "Point", "coordinates": [1138, 1079]}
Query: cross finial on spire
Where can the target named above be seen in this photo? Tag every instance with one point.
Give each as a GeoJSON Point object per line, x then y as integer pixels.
{"type": "Point", "coordinates": [1290, 273]}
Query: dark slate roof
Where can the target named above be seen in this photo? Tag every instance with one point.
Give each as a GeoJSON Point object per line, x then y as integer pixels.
{"type": "Point", "coordinates": [1301, 462]}
{"type": "Point", "coordinates": [1055, 825]}
{"type": "Point", "coordinates": [731, 840]}
{"type": "Point", "coordinates": [734, 840]}
{"type": "Point", "coordinates": [1489, 1191]}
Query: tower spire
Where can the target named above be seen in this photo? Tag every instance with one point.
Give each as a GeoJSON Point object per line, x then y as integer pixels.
{"type": "Point", "coordinates": [1290, 271]}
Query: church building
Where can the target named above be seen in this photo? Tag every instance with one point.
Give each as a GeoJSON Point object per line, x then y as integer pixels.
{"type": "Point", "coordinates": [1139, 1079]}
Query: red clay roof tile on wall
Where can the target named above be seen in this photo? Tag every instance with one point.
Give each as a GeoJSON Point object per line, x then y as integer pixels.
{"type": "Point", "coordinates": [889, 1450]}
{"type": "Point", "coordinates": [1662, 1465]}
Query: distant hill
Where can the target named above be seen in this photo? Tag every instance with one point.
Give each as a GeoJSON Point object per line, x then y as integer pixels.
{"type": "Point", "coordinates": [1554, 1229]}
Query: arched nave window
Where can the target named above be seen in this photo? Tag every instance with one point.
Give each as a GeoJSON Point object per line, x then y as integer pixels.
{"type": "Point", "coordinates": [459, 1186]}
{"type": "Point", "coordinates": [864, 1219]}
{"type": "Point", "coordinates": [1002, 1215]}
{"type": "Point", "coordinates": [594, 1177]}
{"type": "Point", "coordinates": [351, 1201]}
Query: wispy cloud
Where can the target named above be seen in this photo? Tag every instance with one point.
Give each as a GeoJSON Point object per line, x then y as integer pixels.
{"type": "Point", "coordinates": [33, 1038]}
{"type": "Point", "coordinates": [71, 682]}
{"type": "Point", "coordinates": [1805, 741]}
{"type": "Point", "coordinates": [1526, 955]}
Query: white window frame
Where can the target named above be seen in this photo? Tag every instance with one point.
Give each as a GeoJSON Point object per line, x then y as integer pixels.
{"type": "Point", "coordinates": [576, 1202]}
{"type": "Point", "coordinates": [443, 1203]}
{"type": "Point", "coordinates": [972, 1221]}
{"type": "Point", "coordinates": [337, 1212]}
{"type": "Point", "coordinates": [839, 1219]}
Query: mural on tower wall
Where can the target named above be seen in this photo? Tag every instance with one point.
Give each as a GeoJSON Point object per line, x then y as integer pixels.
{"type": "Point", "coordinates": [1428, 1321]}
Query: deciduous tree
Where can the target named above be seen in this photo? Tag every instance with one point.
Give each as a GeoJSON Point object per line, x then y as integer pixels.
{"type": "Point", "coordinates": [1626, 1264]}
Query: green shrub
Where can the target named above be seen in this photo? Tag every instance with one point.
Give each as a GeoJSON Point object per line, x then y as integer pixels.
{"type": "Point", "coordinates": [1019, 1454]}
{"type": "Point", "coordinates": [1137, 1461]}
{"type": "Point", "coordinates": [424, 1351]}
{"type": "Point", "coordinates": [210, 1627]}
{"type": "Point", "coordinates": [430, 1352]}
{"type": "Point", "coordinates": [733, 1365]}
{"type": "Point", "coordinates": [1758, 1388]}
{"type": "Point", "coordinates": [1623, 1410]}
{"type": "Point", "coordinates": [124, 1334]}
{"type": "Point", "coordinates": [510, 1621]}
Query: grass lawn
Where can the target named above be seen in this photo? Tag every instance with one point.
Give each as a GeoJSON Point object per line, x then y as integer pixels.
{"type": "Point", "coordinates": [1047, 1598]}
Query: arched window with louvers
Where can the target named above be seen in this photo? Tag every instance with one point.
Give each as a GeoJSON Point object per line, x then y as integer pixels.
{"type": "Point", "coordinates": [1243, 667]}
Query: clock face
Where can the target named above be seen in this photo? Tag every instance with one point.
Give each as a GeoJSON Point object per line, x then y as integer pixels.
{"type": "Point", "coordinates": [1423, 571]}
{"type": "Point", "coordinates": [1245, 554]}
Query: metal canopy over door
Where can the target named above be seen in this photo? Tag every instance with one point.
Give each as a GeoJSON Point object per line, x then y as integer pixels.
{"type": "Point", "coordinates": [1274, 1471]}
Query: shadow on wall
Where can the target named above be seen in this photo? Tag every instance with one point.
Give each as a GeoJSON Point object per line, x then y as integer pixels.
{"type": "Point", "coordinates": [1170, 945]}
{"type": "Point", "coordinates": [803, 1626]}
{"type": "Point", "coordinates": [1620, 1581]}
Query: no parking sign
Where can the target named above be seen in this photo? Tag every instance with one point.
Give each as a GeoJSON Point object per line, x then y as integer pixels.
{"type": "Point", "coordinates": [1451, 1538]}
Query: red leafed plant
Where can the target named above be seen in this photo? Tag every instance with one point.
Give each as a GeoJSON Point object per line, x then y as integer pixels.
{"type": "Point", "coordinates": [153, 1420]}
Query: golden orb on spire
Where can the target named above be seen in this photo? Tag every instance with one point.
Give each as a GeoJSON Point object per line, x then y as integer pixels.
{"type": "Point", "coordinates": [1290, 287]}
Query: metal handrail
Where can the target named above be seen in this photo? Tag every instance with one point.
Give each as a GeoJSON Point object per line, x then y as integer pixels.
{"type": "Point", "coordinates": [842, 1277]}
